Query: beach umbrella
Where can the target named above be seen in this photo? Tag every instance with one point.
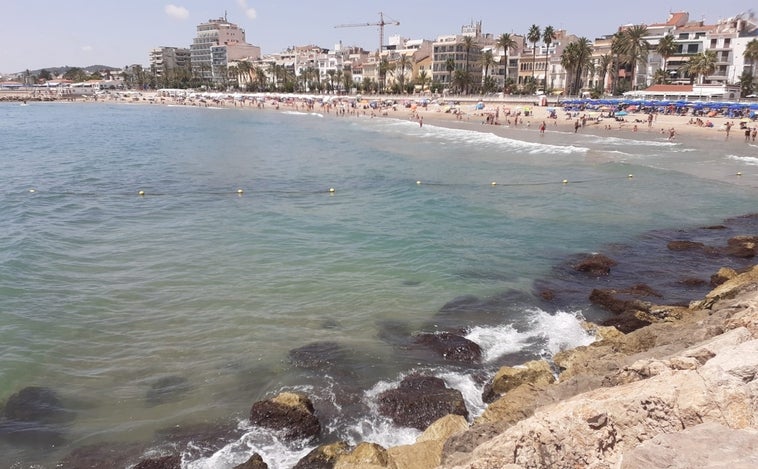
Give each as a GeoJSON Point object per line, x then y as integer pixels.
{"type": "Point", "coordinates": [622, 113]}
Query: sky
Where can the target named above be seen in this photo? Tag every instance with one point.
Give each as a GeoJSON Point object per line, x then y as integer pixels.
{"type": "Point", "coordinates": [39, 34]}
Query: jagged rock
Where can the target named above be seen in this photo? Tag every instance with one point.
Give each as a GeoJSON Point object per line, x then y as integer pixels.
{"type": "Point", "coordinates": [254, 462]}
{"type": "Point", "coordinates": [596, 428]}
{"type": "Point", "coordinates": [451, 346]}
{"type": "Point", "coordinates": [323, 457]}
{"type": "Point", "coordinates": [728, 289]}
{"type": "Point", "coordinates": [196, 440]}
{"type": "Point", "coordinates": [173, 461]}
{"type": "Point", "coordinates": [742, 246]}
{"type": "Point", "coordinates": [365, 456]}
{"type": "Point", "coordinates": [444, 428]}
{"type": "Point", "coordinates": [723, 274]}
{"type": "Point", "coordinates": [596, 265]}
{"type": "Point", "coordinates": [420, 400]}
{"type": "Point", "coordinates": [423, 455]}
{"type": "Point", "coordinates": [510, 377]}
{"type": "Point", "coordinates": [288, 412]}
{"type": "Point", "coordinates": [708, 445]}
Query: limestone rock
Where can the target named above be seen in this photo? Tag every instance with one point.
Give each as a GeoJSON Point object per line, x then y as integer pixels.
{"type": "Point", "coordinates": [708, 445]}
{"type": "Point", "coordinates": [289, 412]}
{"type": "Point", "coordinates": [423, 455]}
{"type": "Point", "coordinates": [728, 289]}
{"type": "Point", "coordinates": [510, 377]}
{"type": "Point", "coordinates": [365, 455]}
{"type": "Point", "coordinates": [324, 456]}
{"type": "Point", "coordinates": [444, 428]}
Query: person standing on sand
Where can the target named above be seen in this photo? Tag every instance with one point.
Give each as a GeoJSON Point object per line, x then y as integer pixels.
{"type": "Point", "coordinates": [728, 127]}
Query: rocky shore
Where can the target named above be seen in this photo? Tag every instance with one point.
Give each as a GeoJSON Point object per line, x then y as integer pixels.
{"type": "Point", "coordinates": [670, 386]}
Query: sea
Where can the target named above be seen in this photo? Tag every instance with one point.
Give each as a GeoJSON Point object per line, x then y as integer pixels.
{"type": "Point", "coordinates": [165, 267]}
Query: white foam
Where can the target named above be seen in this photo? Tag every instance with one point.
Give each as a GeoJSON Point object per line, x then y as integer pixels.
{"type": "Point", "coordinates": [273, 450]}
{"type": "Point", "coordinates": [559, 331]}
{"type": "Point", "coordinates": [750, 160]}
{"type": "Point", "coordinates": [469, 388]}
{"type": "Point", "coordinates": [467, 137]}
{"type": "Point", "coordinates": [299, 113]}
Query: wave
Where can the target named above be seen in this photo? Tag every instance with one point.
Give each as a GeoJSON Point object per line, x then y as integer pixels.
{"type": "Point", "coordinates": [551, 332]}
{"type": "Point", "coordinates": [300, 113]}
{"type": "Point", "coordinates": [477, 137]}
{"type": "Point", "coordinates": [749, 160]}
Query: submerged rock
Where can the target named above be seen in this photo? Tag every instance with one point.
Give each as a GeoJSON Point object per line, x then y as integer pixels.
{"type": "Point", "coordinates": [595, 265]}
{"type": "Point", "coordinates": [173, 461]}
{"type": "Point", "coordinates": [420, 400]}
{"type": "Point", "coordinates": [167, 389]}
{"type": "Point", "coordinates": [290, 413]}
{"type": "Point", "coordinates": [35, 416]}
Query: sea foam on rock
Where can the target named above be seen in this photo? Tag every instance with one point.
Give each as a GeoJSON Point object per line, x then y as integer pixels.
{"type": "Point", "coordinates": [632, 400]}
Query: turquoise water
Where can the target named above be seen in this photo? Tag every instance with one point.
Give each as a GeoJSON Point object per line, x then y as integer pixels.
{"type": "Point", "coordinates": [104, 292]}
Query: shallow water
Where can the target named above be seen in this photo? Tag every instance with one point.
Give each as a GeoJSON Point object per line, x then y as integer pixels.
{"type": "Point", "coordinates": [182, 305]}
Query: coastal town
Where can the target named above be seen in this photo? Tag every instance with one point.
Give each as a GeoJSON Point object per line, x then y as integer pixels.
{"type": "Point", "coordinates": [676, 58]}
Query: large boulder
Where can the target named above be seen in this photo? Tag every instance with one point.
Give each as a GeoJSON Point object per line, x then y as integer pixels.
{"type": "Point", "coordinates": [420, 400]}
{"type": "Point", "coordinates": [451, 347]}
{"type": "Point", "coordinates": [290, 413]}
{"type": "Point", "coordinates": [366, 456]}
{"type": "Point", "coordinates": [510, 377]}
{"type": "Point", "coordinates": [324, 456]}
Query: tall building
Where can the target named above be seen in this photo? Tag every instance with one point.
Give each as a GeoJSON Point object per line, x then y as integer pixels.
{"type": "Point", "coordinates": [165, 61]}
{"type": "Point", "coordinates": [217, 43]}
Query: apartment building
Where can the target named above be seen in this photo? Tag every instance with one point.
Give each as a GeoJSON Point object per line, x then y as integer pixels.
{"type": "Point", "coordinates": [217, 42]}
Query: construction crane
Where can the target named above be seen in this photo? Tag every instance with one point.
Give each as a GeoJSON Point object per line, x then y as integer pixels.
{"type": "Point", "coordinates": [382, 23]}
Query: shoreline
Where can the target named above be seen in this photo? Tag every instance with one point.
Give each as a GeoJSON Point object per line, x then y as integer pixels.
{"type": "Point", "coordinates": [445, 119]}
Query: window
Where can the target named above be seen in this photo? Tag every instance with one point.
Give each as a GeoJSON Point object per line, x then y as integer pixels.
{"type": "Point", "coordinates": [713, 43]}
{"type": "Point", "coordinates": [692, 48]}
{"type": "Point", "coordinates": [727, 43]}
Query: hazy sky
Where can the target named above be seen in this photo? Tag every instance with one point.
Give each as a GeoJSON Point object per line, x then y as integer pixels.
{"type": "Point", "coordinates": [47, 33]}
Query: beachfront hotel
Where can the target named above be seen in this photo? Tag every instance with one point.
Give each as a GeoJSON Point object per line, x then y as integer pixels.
{"type": "Point", "coordinates": [216, 44]}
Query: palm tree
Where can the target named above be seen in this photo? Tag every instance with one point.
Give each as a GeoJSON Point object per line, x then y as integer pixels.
{"type": "Point", "coordinates": [384, 67]}
{"type": "Point", "coordinates": [666, 48]}
{"type": "Point", "coordinates": [488, 59]}
{"type": "Point", "coordinates": [233, 72]}
{"type": "Point", "coordinates": [751, 54]}
{"type": "Point", "coordinates": [576, 59]}
{"type": "Point", "coordinates": [533, 36]}
{"type": "Point", "coordinates": [617, 49]}
{"type": "Point", "coordinates": [604, 66]}
{"type": "Point", "coordinates": [244, 68]}
{"type": "Point", "coordinates": [507, 43]}
{"type": "Point", "coordinates": [404, 62]}
{"type": "Point", "coordinates": [548, 35]}
{"type": "Point", "coordinates": [702, 65]}
{"type": "Point", "coordinates": [468, 43]}
{"type": "Point", "coordinates": [635, 48]}
{"type": "Point", "coordinates": [450, 68]}
{"type": "Point", "coordinates": [422, 79]}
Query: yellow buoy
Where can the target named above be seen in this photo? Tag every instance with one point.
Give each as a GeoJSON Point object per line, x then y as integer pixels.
{"type": "Point", "coordinates": [418, 182]}
{"type": "Point", "coordinates": [141, 193]}
{"type": "Point", "coordinates": [494, 183]}
{"type": "Point", "coordinates": [630, 176]}
{"type": "Point", "coordinates": [32, 190]}
{"type": "Point", "coordinates": [240, 191]}
{"type": "Point", "coordinates": [331, 189]}
{"type": "Point", "coordinates": [565, 181]}
{"type": "Point", "coordinates": [739, 173]}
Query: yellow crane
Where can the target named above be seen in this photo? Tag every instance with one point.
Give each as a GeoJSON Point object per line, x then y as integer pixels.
{"type": "Point", "coordinates": [382, 23]}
